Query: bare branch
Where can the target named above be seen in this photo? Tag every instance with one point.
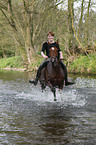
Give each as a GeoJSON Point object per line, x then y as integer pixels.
{"type": "Point", "coordinates": [3, 6]}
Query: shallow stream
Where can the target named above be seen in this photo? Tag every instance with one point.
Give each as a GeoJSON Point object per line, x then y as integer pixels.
{"type": "Point", "coordinates": [32, 117]}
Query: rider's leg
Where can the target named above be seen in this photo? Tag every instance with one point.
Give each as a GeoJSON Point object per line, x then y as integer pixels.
{"type": "Point", "coordinates": [42, 65]}
{"type": "Point", "coordinates": [65, 71]}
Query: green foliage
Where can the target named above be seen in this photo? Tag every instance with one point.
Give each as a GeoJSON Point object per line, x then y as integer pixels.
{"type": "Point", "coordinates": [40, 17]}
{"type": "Point", "coordinates": [84, 64]}
{"type": "Point", "coordinates": [24, 25]}
{"type": "Point", "coordinates": [11, 62]}
{"type": "Point", "coordinates": [36, 61]}
{"type": "Point", "coordinates": [17, 62]}
{"type": "Point", "coordinates": [7, 53]}
{"type": "Point", "coordinates": [81, 64]}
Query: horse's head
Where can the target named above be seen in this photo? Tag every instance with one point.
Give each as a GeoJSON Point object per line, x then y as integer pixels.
{"type": "Point", "coordinates": [53, 54]}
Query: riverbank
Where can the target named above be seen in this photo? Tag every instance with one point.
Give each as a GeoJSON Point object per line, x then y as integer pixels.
{"type": "Point", "coordinates": [16, 63]}
{"type": "Point", "coordinates": [83, 64]}
{"type": "Point", "coordinates": [80, 65]}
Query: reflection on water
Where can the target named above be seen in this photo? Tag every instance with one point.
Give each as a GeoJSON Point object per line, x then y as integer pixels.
{"type": "Point", "coordinates": [28, 116]}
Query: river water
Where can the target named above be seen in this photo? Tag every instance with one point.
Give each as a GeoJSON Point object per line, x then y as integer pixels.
{"type": "Point", "coordinates": [29, 116]}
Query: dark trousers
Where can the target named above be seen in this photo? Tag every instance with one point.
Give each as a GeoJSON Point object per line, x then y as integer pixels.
{"type": "Point", "coordinates": [42, 65]}
{"type": "Point", "coordinates": [65, 70]}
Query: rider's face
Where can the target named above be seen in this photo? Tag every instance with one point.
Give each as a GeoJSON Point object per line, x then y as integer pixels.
{"type": "Point", "coordinates": [50, 37]}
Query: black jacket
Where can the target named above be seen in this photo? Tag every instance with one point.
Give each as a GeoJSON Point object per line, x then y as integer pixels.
{"type": "Point", "coordinates": [46, 46]}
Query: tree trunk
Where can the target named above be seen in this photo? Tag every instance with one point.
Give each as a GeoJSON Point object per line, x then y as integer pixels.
{"type": "Point", "coordinates": [86, 25]}
{"type": "Point", "coordinates": [76, 34]}
{"type": "Point", "coordinates": [71, 32]}
{"type": "Point", "coordinates": [80, 20]}
{"type": "Point", "coordinates": [23, 53]}
{"type": "Point", "coordinates": [28, 32]}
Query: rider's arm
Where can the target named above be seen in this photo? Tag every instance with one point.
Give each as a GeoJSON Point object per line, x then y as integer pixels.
{"type": "Point", "coordinates": [43, 50]}
{"type": "Point", "coordinates": [60, 52]}
{"type": "Point", "coordinates": [42, 53]}
{"type": "Point", "coordinates": [61, 55]}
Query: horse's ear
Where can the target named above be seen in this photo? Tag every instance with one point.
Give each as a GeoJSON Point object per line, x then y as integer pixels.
{"type": "Point", "coordinates": [57, 41]}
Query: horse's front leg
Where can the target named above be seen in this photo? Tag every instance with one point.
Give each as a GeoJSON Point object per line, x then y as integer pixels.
{"type": "Point", "coordinates": [43, 86]}
{"type": "Point", "coordinates": [53, 89]}
{"type": "Point", "coordinates": [42, 80]}
{"type": "Point", "coordinates": [61, 86]}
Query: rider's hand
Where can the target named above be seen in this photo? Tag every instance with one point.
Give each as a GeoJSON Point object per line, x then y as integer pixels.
{"type": "Point", "coordinates": [45, 56]}
{"type": "Point", "coordinates": [61, 56]}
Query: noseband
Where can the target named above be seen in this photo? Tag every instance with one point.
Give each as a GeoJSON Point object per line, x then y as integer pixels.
{"type": "Point", "coordinates": [53, 59]}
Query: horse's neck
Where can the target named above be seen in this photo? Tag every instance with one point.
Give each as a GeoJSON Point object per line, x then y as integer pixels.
{"type": "Point", "coordinates": [56, 66]}
{"type": "Point", "coordinates": [53, 70]}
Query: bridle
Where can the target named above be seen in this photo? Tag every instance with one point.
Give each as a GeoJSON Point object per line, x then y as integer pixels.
{"type": "Point", "coordinates": [54, 57]}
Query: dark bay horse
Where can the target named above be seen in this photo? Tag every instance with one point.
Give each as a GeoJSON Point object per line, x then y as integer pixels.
{"type": "Point", "coordinates": [53, 75]}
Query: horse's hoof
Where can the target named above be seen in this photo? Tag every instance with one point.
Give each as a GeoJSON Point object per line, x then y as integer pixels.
{"type": "Point", "coordinates": [33, 82]}
{"type": "Point", "coordinates": [69, 83]}
{"type": "Point", "coordinates": [43, 86]}
{"type": "Point", "coordinates": [55, 99]}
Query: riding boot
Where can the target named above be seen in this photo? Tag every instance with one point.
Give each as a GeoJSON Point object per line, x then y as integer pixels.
{"type": "Point", "coordinates": [43, 64]}
{"type": "Point", "coordinates": [65, 71]}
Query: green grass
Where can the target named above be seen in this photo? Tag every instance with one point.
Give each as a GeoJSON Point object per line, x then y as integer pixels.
{"type": "Point", "coordinates": [81, 64]}
{"type": "Point", "coordinates": [17, 62]}
{"type": "Point", "coordinates": [84, 64]}
{"type": "Point", "coordinates": [11, 62]}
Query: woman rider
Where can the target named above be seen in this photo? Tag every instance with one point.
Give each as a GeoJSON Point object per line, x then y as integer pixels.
{"type": "Point", "coordinates": [45, 47]}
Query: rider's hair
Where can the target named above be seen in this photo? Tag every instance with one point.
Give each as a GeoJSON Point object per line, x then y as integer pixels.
{"type": "Point", "coordinates": [50, 32]}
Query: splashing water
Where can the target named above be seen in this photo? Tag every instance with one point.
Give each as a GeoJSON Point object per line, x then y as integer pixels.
{"type": "Point", "coordinates": [30, 116]}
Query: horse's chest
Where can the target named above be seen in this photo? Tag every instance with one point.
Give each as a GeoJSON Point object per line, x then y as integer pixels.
{"type": "Point", "coordinates": [55, 75]}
